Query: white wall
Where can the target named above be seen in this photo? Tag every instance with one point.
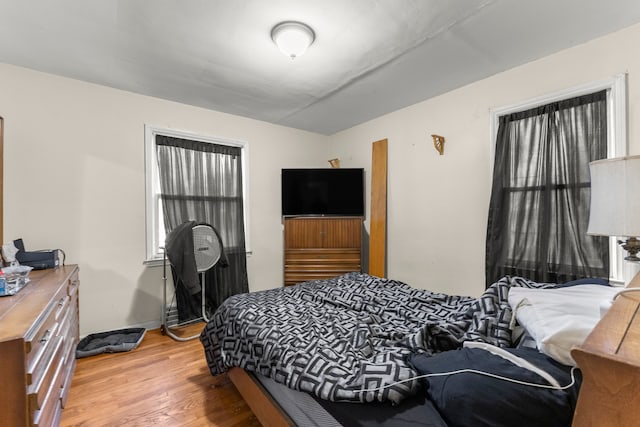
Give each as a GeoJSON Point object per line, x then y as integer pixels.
{"type": "Point", "coordinates": [437, 205]}
{"type": "Point", "coordinates": [74, 179]}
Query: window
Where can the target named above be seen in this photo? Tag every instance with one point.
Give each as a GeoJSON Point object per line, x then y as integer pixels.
{"type": "Point", "coordinates": [576, 114]}
{"type": "Point", "coordinates": [156, 232]}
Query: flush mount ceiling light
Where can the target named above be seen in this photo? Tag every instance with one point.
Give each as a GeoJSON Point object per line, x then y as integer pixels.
{"type": "Point", "coordinates": [292, 38]}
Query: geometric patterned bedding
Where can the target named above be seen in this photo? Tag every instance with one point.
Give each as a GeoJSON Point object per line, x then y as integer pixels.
{"type": "Point", "coordinates": [343, 338]}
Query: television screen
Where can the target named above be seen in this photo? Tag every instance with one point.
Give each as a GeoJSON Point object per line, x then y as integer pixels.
{"type": "Point", "coordinates": [337, 192]}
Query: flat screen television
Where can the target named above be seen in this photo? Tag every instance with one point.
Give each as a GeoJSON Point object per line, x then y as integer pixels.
{"type": "Point", "coordinates": [323, 192]}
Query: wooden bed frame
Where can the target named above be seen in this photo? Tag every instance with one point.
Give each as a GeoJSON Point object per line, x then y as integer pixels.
{"type": "Point", "coordinates": [609, 360]}
{"type": "Point", "coordinates": [266, 410]}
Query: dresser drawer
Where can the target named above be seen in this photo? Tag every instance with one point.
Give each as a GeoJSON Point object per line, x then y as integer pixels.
{"type": "Point", "coordinates": [61, 306]}
{"type": "Point", "coordinates": [322, 256]}
{"type": "Point", "coordinates": [42, 362]}
{"type": "Point", "coordinates": [50, 410]}
{"type": "Point", "coordinates": [69, 332]}
{"type": "Point", "coordinates": [295, 277]}
{"type": "Point", "coordinates": [301, 265]}
{"type": "Point", "coordinates": [46, 327]}
{"type": "Point", "coordinates": [328, 261]}
{"type": "Point", "coordinates": [74, 283]}
{"type": "Point", "coordinates": [69, 329]}
{"type": "Point", "coordinates": [321, 269]}
{"type": "Point", "coordinates": [49, 416]}
{"type": "Point", "coordinates": [309, 264]}
{"type": "Point", "coordinates": [67, 374]}
{"type": "Point", "coordinates": [42, 348]}
{"type": "Point", "coordinates": [39, 391]}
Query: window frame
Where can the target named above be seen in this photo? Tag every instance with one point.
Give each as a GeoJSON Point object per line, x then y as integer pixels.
{"type": "Point", "coordinates": [153, 252]}
{"type": "Point", "coordinates": [616, 87]}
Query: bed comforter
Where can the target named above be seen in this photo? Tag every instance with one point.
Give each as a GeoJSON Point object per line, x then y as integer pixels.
{"type": "Point", "coordinates": [349, 338]}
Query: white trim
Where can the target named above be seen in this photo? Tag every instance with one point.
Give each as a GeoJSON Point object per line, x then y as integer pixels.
{"type": "Point", "coordinates": [616, 87]}
{"type": "Point", "coordinates": [152, 257]}
{"type": "Point", "coordinates": [617, 125]}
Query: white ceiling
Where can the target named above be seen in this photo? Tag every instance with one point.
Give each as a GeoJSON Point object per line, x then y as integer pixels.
{"type": "Point", "coordinates": [370, 57]}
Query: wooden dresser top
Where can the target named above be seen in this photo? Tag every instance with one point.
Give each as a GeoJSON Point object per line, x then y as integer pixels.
{"type": "Point", "coordinates": [18, 312]}
{"type": "Point", "coordinates": [617, 335]}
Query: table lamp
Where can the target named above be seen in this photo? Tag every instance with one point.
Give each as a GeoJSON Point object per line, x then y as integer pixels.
{"type": "Point", "coordinates": [615, 202]}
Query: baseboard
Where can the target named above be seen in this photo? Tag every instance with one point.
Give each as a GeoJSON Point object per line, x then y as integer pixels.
{"type": "Point", "coordinates": [150, 325]}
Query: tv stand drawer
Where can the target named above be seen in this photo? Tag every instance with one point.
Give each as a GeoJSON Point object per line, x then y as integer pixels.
{"type": "Point", "coordinates": [323, 256]}
{"type": "Point", "coordinates": [302, 264]}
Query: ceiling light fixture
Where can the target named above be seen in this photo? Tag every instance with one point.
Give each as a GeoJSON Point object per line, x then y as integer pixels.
{"type": "Point", "coordinates": [292, 38]}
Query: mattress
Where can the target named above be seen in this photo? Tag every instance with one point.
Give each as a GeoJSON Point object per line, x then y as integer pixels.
{"type": "Point", "coordinates": [307, 410]}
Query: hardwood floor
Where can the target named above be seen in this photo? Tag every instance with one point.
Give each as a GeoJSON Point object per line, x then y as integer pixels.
{"type": "Point", "coordinates": [163, 382]}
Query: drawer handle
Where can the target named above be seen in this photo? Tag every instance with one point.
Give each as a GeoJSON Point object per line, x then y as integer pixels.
{"type": "Point", "coordinates": [61, 302]}
{"type": "Point", "coordinates": [46, 336]}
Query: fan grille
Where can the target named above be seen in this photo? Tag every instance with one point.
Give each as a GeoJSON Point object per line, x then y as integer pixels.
{"type": "Point", "coordinates": [206, 247]}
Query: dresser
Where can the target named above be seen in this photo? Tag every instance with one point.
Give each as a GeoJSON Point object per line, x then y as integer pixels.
{"type": "Point", "coordinates": [38, 338]}
{"type": "Point", "coordinates": [321, 247]}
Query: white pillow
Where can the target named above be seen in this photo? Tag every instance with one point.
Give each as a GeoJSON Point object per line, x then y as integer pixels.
{"type": "Point", "coordinates": [559, 319]}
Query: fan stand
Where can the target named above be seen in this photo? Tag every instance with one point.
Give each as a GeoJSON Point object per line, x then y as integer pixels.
{"type": "Point", "coordinates": [199, 249]}
{"type": "Point", "coordinates": [204, 306]}
{"type": "Point", "coordinates": [165, 329]}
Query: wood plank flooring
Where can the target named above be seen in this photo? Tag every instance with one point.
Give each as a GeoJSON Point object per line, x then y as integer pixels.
{"type": "Point", "coordinates": [163, 382]}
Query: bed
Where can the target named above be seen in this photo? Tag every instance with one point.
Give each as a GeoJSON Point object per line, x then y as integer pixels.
{"type": "Point", "coordinates": [350, 351]}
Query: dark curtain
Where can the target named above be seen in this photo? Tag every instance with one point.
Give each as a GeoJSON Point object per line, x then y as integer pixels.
{"type": "Point", "coordinates": [202, 182]}
{"type": "Point", "coordinates": [539, 208]}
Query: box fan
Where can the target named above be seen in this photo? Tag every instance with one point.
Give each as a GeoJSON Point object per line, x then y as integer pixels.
{"type": "Point", "coordinates": [206, 252]}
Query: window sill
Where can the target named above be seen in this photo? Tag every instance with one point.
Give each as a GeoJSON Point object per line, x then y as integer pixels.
{"type": "Point", "coordinates": [157, 262]}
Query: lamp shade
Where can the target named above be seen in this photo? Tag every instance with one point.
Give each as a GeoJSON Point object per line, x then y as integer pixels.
{"type": "Point", "coordinates": [615, 200]}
